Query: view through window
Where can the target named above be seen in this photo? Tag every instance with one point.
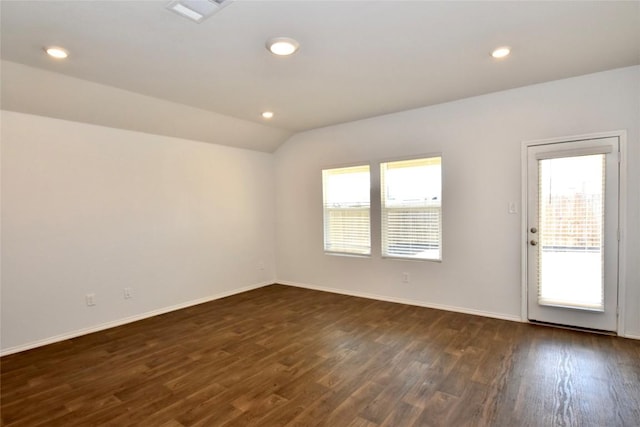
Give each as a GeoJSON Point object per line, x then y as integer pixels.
{"type": "Point", "coordinates": [347, 227]}
{"type": "Point", "coordinates": [411, 195]}
{"type": "Point", "coordinates": [571, 218]}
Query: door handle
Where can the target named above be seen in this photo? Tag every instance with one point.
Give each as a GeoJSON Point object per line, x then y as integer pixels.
{"type": "Point", "coordinates": [534, 242]}
{"type": "Point", "coordinates": [534, 230]}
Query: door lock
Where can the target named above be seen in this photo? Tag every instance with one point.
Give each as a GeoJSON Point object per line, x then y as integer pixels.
{"type": "Point", "coordinates": [534, 230]}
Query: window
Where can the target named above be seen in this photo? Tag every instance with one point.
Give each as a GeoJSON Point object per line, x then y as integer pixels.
{"type": "Point", "coordinates": [346, 193]}
{"type": "Point", "coordinates": [411, 196]}
{"type": "Point", "coordinates": [571, 218]}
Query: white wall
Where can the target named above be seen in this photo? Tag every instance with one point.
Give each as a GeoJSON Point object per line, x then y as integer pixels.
{"type": "Point", "coordinates": [90, 209]}
{"type": "Point", "coordinates": [480, 139]}
{"type": "Point", "coordinates": [36, 91]}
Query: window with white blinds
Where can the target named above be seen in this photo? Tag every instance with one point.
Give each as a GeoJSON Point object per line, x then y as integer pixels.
{"type": "Point", "coordinates": [571, 219]}
{"type": "Point", "coordinates": [411, 208]}
{"type": "Point", "coordinates": [346, 194]}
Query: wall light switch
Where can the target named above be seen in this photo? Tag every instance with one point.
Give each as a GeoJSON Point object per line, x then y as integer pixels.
{"type": "Point", "coordinates": [513, 208]}
{"type": "Point", "coordinates": [90, 299]}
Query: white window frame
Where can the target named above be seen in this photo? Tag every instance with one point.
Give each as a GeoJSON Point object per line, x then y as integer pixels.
{"type": "Point", "coordinates": [419, 207]}
{"type": "Point", "coordinates": [327, 242]}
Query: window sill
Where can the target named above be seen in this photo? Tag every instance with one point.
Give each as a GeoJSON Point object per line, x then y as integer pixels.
{"type": "Point", "coordinates": [402, 258]}
{"type": "Point", "coordinates": [348, 255]}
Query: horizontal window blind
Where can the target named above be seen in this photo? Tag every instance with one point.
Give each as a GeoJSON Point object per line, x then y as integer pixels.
{"type": "Point", "coordinates": [346, 199]}
{"type": "Point", "coordinates": [571, 218]}
{"type": "Point", "coordinates": [411, 200]}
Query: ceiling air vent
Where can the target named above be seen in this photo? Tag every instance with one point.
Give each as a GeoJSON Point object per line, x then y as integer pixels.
{"type": "Point", "coordinates": [197, 10]}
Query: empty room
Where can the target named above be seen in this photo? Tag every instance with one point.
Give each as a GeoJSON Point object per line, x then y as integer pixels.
{"type": "Point", "coordinates": [319, 213]}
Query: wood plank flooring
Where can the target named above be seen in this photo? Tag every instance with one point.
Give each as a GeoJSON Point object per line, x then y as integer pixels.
{"type": "Point", "coordinates": [283, 356]}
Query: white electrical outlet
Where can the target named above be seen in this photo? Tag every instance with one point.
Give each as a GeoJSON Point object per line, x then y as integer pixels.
{"type": "Point", "coordinates": [90, 299]}
{"type": "Point", "coordinates": [128, 293]}
{"type": "Point", "coordinates": [406, 277]}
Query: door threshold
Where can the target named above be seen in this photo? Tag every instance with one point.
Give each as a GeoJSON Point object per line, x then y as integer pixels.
{"type": "Point", "coordinates": [574, 328]}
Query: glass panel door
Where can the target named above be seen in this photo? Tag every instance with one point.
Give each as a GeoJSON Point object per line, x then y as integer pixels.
{"type": "Point", "coordinates": [571, 218]}
{"type": "Point", "coordinates": [572, 229]}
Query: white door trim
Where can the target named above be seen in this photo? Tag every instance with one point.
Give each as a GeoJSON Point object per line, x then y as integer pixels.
{"type": "Point", "coordinates": [622, 218]}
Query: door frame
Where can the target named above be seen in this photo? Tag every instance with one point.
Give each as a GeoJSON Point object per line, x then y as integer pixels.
{"type": "Point", "coordinates": [622, 218]}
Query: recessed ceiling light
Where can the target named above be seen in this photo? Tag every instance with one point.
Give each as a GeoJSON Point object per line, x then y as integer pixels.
{"type": "Point", "coordinates": [282, 46]}
{"type": "Point", "coordinates": [267, 115]}
{"type": "Point", "coordinates": [501, 52]}
{"type": "Point", "coordinates": [56, 52]}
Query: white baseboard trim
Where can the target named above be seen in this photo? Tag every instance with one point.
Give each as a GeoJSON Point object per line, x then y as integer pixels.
{"type": "Point", "coordinates": [406, 301]}
{"type": "Point", "coordinates": [130, 319]}
{"type": "Point", "coordinates": [135, 318]}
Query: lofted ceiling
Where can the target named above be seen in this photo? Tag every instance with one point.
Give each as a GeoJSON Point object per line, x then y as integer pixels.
{"type": "Point", "coordinates": [357, 59]}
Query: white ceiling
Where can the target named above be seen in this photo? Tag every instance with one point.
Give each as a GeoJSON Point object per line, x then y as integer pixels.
{"type": "Point", "coordinates": [357, 59]}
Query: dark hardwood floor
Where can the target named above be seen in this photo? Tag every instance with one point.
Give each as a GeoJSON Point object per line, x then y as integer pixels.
{"type": "Point", "coordinates": [281, 356]}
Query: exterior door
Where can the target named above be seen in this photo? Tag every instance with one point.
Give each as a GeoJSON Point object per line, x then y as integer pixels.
{"type": "Point", "coordinates": [572, 231]}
